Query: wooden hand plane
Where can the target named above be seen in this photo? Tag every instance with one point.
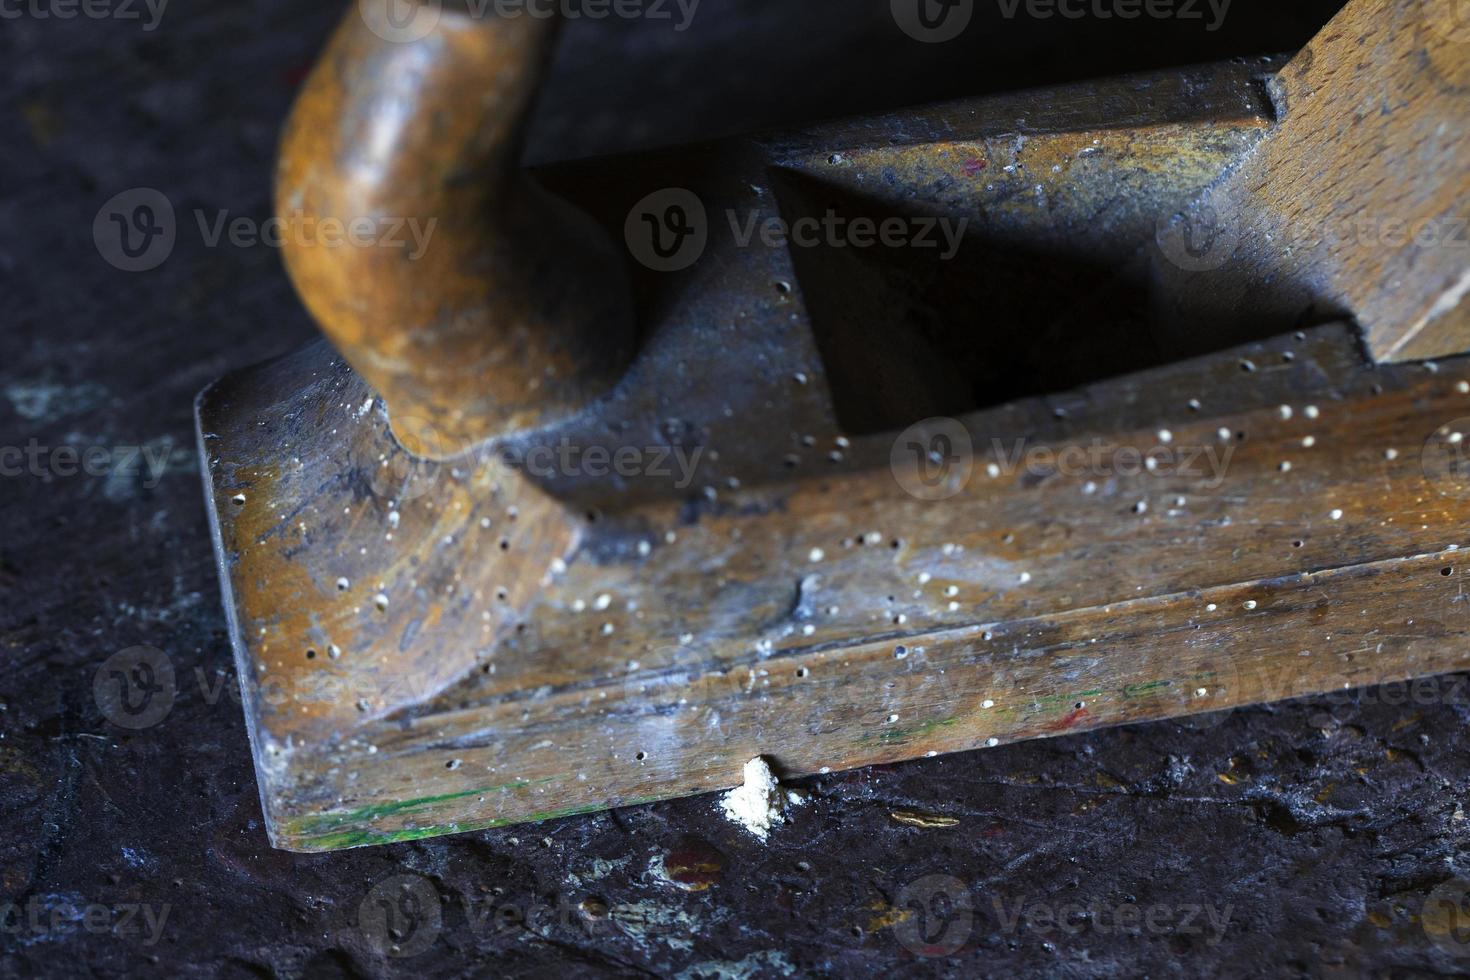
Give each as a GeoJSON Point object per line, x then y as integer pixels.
{"type": "Point", "coordinates": [641, 468]}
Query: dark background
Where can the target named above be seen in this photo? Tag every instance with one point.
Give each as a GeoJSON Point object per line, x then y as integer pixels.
{"type": "Point", "coordinates": [1318, 826]}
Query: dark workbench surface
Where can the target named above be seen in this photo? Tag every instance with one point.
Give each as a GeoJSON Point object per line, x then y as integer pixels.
{"type": "Point", "coordinates": [1299, 838]}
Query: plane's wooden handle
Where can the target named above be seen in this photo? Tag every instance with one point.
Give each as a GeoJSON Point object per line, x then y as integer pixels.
{"type": "Point", "coordinates": [475, 303]}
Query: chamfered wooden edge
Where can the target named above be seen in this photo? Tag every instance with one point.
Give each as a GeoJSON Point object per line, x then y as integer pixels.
{"type": "Point", "coordinates": [1161, 660]}
{"type": "Point", "coordinates": [463, 758]}
{"type": "Point", "coordinates": [240, 653]}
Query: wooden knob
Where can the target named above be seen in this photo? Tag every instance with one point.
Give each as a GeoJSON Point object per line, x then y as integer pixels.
{"type": "Point", "coordinates": [473, 301]}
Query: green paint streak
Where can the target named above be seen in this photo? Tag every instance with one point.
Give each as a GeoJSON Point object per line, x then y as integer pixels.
{"type": "Point", "coordinates": [890, 735]}
{"type": "Point", "coordinates": [320, 823]}
{"type": "Point", "coordinates": [1138, 690]}
{"type": "Point", "coordinates": [1051, 700]}
{"type": "Point", "coordinates": [302, 834]}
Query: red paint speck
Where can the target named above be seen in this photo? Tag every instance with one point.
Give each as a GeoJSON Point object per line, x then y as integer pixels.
{"type": "Point", "coordinates": [973, 166]}
{"type": "Point", "coordinates": [1067, 722]}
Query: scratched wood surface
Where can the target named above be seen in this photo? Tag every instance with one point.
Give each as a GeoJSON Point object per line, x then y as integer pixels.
{"type": "Point", "coordinates": [1358, 204]}
{"type": "Point", "coordinates": [364, 583]}
{"type": "Point", "coordinates": [1322, 824]}
{"type": "Point", "coordinates": [418, 657]}
{"type": "Point", "coordinates": [450, 603]}
{"type": "Point", "coordinates": [1297, 535]}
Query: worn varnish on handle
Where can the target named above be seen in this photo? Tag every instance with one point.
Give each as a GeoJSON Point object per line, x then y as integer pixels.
{"type": "Point", "coordinates": [431, 642]}
{"type": "Point", "coordinates": [517, 313]}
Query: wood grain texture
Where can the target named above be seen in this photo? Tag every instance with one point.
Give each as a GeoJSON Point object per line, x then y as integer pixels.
{"type": "Point", "coordinates": [839, 621]}
{"type": "Point", "coordinates": [370, 587]}
{"type": "Point", "coordinates": [435, 647]}
{"type": "Point", "coordinates": [1358, 203]}
{"type": "Point", "coordinates": [474, 302]}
